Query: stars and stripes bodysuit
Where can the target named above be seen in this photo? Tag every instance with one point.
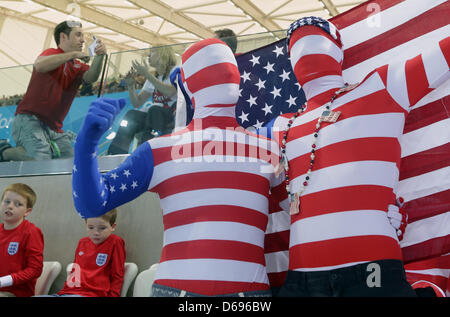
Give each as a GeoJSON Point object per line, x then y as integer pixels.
{"type": "Point", "coordinates": [213, 180]}
{"type": "Point", "coordinates": [342, 218]}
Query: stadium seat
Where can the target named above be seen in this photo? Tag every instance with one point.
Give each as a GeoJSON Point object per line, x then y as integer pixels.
{"type": "Point", "coordinates": [130, 273]}
{"type": "Point", "coordinates": [144, 282]}
{"type": "Point", "coordinates": [50, 271]}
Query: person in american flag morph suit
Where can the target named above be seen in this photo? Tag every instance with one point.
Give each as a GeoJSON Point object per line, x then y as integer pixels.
{"type": "Point", "coordinates": [213, 179]}
{"type": "Point", "coordinates": [341, 156]}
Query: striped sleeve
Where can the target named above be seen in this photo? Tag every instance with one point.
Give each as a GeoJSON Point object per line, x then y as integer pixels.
{"type": "Point", "coordinates": [409, 81]}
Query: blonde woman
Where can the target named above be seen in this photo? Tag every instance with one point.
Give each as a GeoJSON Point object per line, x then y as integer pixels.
{"type": "Point", "coordinates": [151, 120]}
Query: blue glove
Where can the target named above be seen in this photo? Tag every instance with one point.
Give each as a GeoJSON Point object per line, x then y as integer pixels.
{"type": "Point", "coordinates": [100, 117]}
{"type": "Point", "coordinates": [93, 193]}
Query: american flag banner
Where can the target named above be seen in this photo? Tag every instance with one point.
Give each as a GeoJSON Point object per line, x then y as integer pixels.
{"type": "Point", "coordinates": [373, 34]}
{"type": "Point", "coordinates": [268, 86]}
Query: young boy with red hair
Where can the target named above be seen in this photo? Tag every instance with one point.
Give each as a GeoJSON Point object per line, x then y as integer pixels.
{"type": "Point", "coordinates": [21, 243]}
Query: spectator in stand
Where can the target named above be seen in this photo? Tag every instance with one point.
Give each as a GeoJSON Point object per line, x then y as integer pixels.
{"type": "Point", "coordinates": [154, 118]}
{"type": "Point", "coordinates": [99, 263]}
{"type": "Point", "coordinates": [21, 243]}
{"type": "Point", "coordinates": [56, 77]}
{"type": "Point", "coordinates": [228, 36]}
{"type": "Point", "coordinates": [86, 90]}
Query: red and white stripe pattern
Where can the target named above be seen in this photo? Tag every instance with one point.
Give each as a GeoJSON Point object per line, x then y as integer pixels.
{"type": "Point", "coordinates": [358, 161]}
{"type": "Point", "coordinates": [211, 79]}
{"type": "Point", "coordinates": [435, 270]}
{"type": "Point", "coordinates": [213, 180]}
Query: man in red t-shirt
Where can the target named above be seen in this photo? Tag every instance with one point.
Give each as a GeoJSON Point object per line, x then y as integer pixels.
{"type": "Point", "coordinates": [57, 74]}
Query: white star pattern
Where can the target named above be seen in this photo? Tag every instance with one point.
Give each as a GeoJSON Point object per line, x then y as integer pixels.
{"type": "Point", "coordinates": [275, 92]}
{"type": "Point", "coordinates": [252, 101]}
{"type": "Point", "coordinates": [267, 85]}
{"type": "Point", "coordinates": [243, 116]}
{"type": "Point", "coordinates": [118, 183]}
{"type": "Point", "coordinates": [254, 60]}
{"type": "Point", "coordinates": [245, 76]}
{"type": "Point", "coordinates": [260, 84]}
{"type": "Point", "coordinates": [269, 68]}
{"type": "Point", "coordinates": [278, 50]}
{"type": "Point", "coordinates": [74, 168]}
{"type": "Point", "coordinates": [258, 125]}
{"type": "Point", "coordinates": [285, 75]}
{"type": "Point", "coordinates": [267, 109]}
{"type": "Point", "coordinates": [291, 100]}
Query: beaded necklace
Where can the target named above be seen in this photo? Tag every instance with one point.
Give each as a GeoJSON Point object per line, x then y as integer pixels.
{"type": "Point", "coordinates": [327, 116]}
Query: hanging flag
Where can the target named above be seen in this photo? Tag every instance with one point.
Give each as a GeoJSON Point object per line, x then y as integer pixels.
{"type": "Point", "coordinates": [268, 86]}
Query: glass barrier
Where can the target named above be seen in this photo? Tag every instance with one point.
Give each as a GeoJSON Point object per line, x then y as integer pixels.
{"type": "Point", "coordinates": [122, 77]}
{"type": "Point", "coordinates": [149, 112]}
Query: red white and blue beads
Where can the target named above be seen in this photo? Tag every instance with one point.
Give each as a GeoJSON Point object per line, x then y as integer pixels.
{"type": "Point", "coordinates": [327, 116]}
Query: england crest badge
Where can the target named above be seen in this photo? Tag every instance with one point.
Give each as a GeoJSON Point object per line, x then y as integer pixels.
{"type": "Point", "coordinates": [101, 259]}
{"type": "Point", "coordinates": [13, 247]}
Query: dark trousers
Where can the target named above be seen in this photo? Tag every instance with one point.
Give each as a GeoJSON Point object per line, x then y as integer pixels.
{"type": "Point", "coordinates": [156, 119]}
{"type": "Point", "coordinates": [384, 278]}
